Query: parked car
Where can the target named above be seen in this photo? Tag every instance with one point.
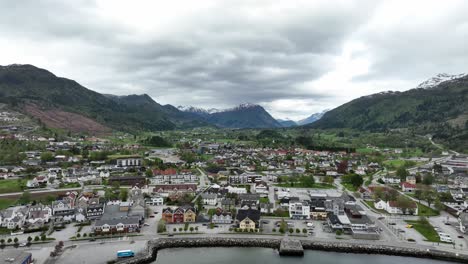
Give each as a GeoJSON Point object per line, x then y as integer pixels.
{"type": "Point", "coordinates": [392, 223]}
{"type": "Point", "coordinates": [23, 244]}
{"type": "Point", "coordinates": [145, 224]}
{"type": "Point", "coordinates": [460, 236]}
{"type": "Point", "coordinates": [151, 216]}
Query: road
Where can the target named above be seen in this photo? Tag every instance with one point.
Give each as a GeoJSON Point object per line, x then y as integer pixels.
{"type": "Point", "coordinates": [204, 185]}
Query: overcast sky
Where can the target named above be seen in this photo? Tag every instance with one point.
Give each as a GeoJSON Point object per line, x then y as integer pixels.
{"type": "Point", "coordinates": [294, 58]}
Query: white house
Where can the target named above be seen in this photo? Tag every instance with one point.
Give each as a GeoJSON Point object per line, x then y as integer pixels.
{"type": "Point", "coordinates": [209, 198]}
{"type": "Point", "coordinates": [158, 200]}
{"type": "Point", "coordinates": [392, 207]}
{"type": "Point", "coordinates": [391, 180]}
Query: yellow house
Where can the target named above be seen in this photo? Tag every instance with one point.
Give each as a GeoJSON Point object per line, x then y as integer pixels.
{"type": "Point", "coordinates": [248, 218]}
{"type": "Point", "coordinates": [190, 216]}
{"type": "Point", "coordinates": [247, 224]}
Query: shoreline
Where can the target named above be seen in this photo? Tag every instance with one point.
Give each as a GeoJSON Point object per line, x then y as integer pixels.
{"type": "Point", "coordinates": [153, 246]}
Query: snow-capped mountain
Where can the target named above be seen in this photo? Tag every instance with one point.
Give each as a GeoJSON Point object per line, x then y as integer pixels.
{"type": "Point", "coordinates": [438, 79]}
{"type": "Point", "coordinates": [312, 118]}
{"type": "Point", "coordinates": [245, 115]}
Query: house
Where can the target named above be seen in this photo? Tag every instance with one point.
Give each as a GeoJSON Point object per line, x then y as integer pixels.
{"type": "Point", "coordinates": [408, 187]}
{"type": "Point", "coordinates": [95, 211]}
{"type": "Point", "coordinates": [260, 188]}
{"type": "Point", "coordinates": [391, 180]}
{"type": "Point", "coordinates": [190, 214]}
{"type": "Point", "coordinates": [300, 210]}
{"type": "Point", "coordinates": [158, 201]}
{"type": "Point", "coordinates": [122, 225]}
{"type": "Point", "coordinates": [209, 199]}
{"type": "Point", "coordinates": [463, 220]}
{"type": "Point", "coordinates": [266, 208]}
{"type": "Point", "coordinates": [248, 219]}
{"type": "Point", "coordinates": [167, 215]}
{"type": "Point", "coordinates": [166, 189]}
{"type": "Point", "coordinates": [221, 217]}
{"type": "Point", "coordinates": [129, 162]}
{"type": "Point", "coordinates": [39, 212]}
{"type": "Point", "coordinates": [63, 209]}
{"type": "Point", "coordinates": [228, 203]}
{"type": "Point", "coordinates": [127, 180]}
{"type": "Point", "coordinates": [393, 208]}
{"type": "Point", "coordinates": [411, 179]}
{"type": "Point", "coordinates": [251, 200]}
{"type": "Point", "coordinates": [236, 190]}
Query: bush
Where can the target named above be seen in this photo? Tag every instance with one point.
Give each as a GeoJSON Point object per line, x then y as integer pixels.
{"type": "Point", "coordinates": [85, 235]}
{"type": "Point", "coordinates": [339, 232]}
{"type": "Point", "coordinates": [304, 231]}
{"type": "Point", "coordinates": [298, 230]}
{"type": "Point", "coordinates": [291, 230]}
{"type": "Point", "coordinates": [36, 238]}
{"type": "Point", "coordinates": [15, 240]}
{"type": "Point", "coordinates": [78, 235]}
{"type": "Point", "coordinates": [180, 229]}
{"type": "Point", "coordinates": [43, 237]}
{"type": "Point", "coordinates": [273, 230]}
{"type": "Point", "coordinates": [174, 229]}
{"type": "Point", "coordinates": [9, 240]}
{"type": "Point", "coordinates": [29, 239]}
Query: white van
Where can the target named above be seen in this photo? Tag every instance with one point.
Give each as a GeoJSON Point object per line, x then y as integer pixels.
{"type": "Point", "coordinates": [445, 238]}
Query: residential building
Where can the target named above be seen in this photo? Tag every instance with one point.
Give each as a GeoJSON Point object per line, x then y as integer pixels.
{"type": "Point", "coordinates": [209, 199]}
{"type": "Point", "coordinates": [248, 219]}
{"type": "Point", "coordinates": [299, 210]}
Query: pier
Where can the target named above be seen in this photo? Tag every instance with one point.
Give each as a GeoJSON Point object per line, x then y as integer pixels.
{"type": "Point", "coordinates": [291, 247]}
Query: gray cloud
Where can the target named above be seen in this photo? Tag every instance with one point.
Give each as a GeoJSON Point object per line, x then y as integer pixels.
{"type": "Point", "coordinates": [232, 51]}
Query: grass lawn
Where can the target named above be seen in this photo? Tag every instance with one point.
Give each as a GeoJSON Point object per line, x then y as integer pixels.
{"type": "Point", "coordinates": [426, 211]}
{"type": "Point", "coordinates": [425, 229]}
{"type": "Point", "coordinates": [394, 163]}
{"type": "Point", "coordinates": [6, 202]}
{"type": "Point", "coordinates": [301, 185]}
{"type": "Point", "coordinates": [350, 187]}
{"type": "Point", "coordinates": [264, 200]}
{"type": "Point", "coordinates": [365, 150]}
{"type": "Point", "coordinates": [70, 185]}
{"type": "Point", "coordinates": [9, 186]}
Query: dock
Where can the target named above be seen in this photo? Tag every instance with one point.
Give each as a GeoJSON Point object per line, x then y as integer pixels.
{"type": "Point", "coordinates": [291, 247]}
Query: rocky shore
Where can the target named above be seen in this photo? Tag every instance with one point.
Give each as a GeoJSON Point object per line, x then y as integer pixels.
{"type": "Point", "coordinates": [153, 246]}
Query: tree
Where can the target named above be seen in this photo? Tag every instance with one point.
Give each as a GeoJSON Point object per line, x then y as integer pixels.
{"type": "Point", "coordinates": [9, 240]}
{"type": "Point", "coordinates": [36, 238]}
{"type": "Point", "coordinates": [342, 167]}
{"type": "Point", "coordinates": [29, 239]}
{"type": "Point", "coordinates": [47, 156]}
{"type": "Point", "coordinates": [25, 198]}
{"type": "Point", "coordinates": [429, 197]}
{"type": "Point", "coordinates": [402, 173]}
{"type": "Point", "coordinates": [439, 205]}
{"type": "Point", "coordinates": [161, 226]}
{"type": "Point", "coordinates": [291, 230]}
{"type": "Point", "coordinates": [2, 241]}
{"type": "Point", "coordinates": [191, 229]}
{"type": "Point", "coordinates": [428, 179]}
{"type": "Point", "coordinates": [149, 173]}
{"type": "Point", "coordinates": [418, 194]}
{"type": "Point", "coordinates": [356, 180]}
{"type": "Point", "coordinates": [304, 231]}
{"type": "Point", "coordinates": [124, 195]}
{"type": "Point", "coordinates": [43, 237]}
{"type": "Point", "coordinates": [308, 181]}
{"type": "Point", "coordinates": [404, 203]}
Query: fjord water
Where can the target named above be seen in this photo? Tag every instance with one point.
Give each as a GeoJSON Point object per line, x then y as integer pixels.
{"type": "Point", "coordinates": [270, 256]}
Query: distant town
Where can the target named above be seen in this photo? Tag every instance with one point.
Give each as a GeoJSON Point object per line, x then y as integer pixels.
{"type": "Point", "coordinates": [63, 195]}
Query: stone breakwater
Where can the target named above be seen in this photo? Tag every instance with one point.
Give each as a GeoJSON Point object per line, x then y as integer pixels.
{"type": "Point", "coordinates": [344, 247]}
{"type": "Point", "coordinates": [153, 246]}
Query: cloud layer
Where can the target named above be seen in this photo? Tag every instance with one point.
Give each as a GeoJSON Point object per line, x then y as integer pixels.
{"type": "Point", "coordinates": [293, 57]}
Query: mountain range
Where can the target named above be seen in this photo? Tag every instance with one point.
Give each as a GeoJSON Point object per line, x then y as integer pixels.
{"type": "Point", "coordinates": [242, 116]}
{"type": "Point", "coordinates": [65, 104]}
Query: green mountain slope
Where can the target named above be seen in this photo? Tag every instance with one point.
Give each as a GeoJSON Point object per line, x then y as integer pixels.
{"type": "Point", "coordinates": [47, 94]}
{"type": "Point", "coordinates": [414, 108]}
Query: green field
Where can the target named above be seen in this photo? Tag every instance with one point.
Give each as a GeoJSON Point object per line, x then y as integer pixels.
{"type": "Point", "coordinates": [393, 164]}
{"type": "Point", "coordinates": [301, 185]}
{"type": "Point", "coordinates": [350, 187]}
{"type": "Point", "coordinates": [10, 186]}
{"type": "Point", "coordinates": [7, 202]}
{"type": "Point", "coordinates": [426, 211]}
{"type": "Point", "coordinates": [425, 229]}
